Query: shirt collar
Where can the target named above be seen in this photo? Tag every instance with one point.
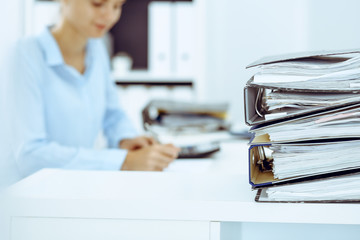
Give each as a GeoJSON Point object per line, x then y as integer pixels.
{"type": "Point", "coordinates": [50, 47]}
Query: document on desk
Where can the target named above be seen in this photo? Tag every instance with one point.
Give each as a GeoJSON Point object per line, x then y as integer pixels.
{"type": "Point", "coordinates": [344, 189]}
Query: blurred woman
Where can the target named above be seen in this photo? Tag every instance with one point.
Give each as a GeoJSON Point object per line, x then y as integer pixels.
{"type": "Point", "coordinates": [64, 97]}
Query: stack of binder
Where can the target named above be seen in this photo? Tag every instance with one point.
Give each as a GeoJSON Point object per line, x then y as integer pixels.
{"type": "Point", "coordinates": [304, 113]}
{"type": "Point", "coordinates": [197, 128]}
{"type": "Point", "coordinates": [178, 117]}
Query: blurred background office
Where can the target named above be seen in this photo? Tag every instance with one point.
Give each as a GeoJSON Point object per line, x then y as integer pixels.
{"type": "Point", "coordinates": [197, 50]}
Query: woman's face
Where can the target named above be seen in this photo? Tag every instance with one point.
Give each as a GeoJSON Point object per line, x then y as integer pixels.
{"type": "Point", "coordinates": [92, 18]}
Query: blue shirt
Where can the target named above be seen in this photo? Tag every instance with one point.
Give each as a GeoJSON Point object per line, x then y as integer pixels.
{"type": "Point", "coordinates": [60, 112]}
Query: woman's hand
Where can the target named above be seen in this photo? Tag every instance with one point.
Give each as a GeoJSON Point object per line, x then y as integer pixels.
{"type": "Point", "coordinates": [150, 158]}
{"type": "Point", "coordinates": [137, 143]}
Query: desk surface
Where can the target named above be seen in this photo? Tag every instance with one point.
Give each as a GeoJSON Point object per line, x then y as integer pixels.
{"type": "Point", "coordinates": [214, 190]}
{"type": "Point", "coordinates": [233, 159]}
{"type": "Point", "coordinates": [162, 196]}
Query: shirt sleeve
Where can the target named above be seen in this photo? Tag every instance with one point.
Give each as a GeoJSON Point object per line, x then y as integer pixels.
{"type": "Point", "coordinates": [117, 125]}
{"type": "Point", "coordinates": [33, 150]}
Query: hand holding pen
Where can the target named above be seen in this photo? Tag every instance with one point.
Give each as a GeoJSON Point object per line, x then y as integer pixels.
{"type": "Point", "coordinates": [146, 154]}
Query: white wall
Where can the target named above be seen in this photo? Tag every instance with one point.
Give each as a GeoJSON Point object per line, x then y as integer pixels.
{"type": "Point", "coordinates": [241, 31]}
{"type": "Point", "coordinates": [10, 30]}
{"type": "Point", "coordinates": [11, 16]}
{"type": "Point", "coordinates": [38, 15]}
{"type": "Point", "coordinates": [334, 24]}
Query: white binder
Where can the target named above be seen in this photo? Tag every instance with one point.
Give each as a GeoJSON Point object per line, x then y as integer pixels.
{"type": "Point", "coordinates": [160, 27]}
{"type": "Point", "coordinates": [185, 40]}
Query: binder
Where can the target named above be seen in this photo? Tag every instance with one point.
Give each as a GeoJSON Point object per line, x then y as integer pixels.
{"type": "Point", "coordinates": [262, 198]}
{"type": "Point", "coordinates": [180, 117]}
{"type": "Point", "coordinates": [260, 177]}
{"type": "Point", "coordinates": [160, 38]}
{"type": "Point", "coordinates": [253, 95]}
{"type": "Point", "coordinates": [300, 55]}
{"type": "Point", "coordinates": [284, 122]}
{"type": "Point", "coordinates": [299, 197]}
{"type": "Point", "coordinates": [304, 110]}
{"type": "Point", "coordinates": [185, 39]}
{"type": "Point", "coordinates": [326, 72]}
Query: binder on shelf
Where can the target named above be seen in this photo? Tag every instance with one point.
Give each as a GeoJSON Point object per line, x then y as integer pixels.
{"type": "Point", "coordinates": [160, 29]}
{"type": "Point", "coordinates": [185, 38]}
{"type": "Point", "coordinates": [262, 170]}
{"type": "Point", "coordinates": [40, 14]}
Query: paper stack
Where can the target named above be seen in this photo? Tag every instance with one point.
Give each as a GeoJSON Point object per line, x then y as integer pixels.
{"type": "Point", "coordinates": [304, 110]}
{"type": "Point", "coordinates": [197, 128]}
{"type": "Point", "coordinates": [185, 117]}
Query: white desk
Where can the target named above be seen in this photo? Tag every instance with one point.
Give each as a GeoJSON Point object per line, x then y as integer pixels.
{"type": "Point", "coordinates": [56, 204]}
{"type": "Point", "coordinates": [231, 159]}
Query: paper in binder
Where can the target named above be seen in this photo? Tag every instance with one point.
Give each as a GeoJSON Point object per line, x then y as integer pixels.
{"type": "Point", "coordinates": [336, 189]}
{"type": "Point", "coordinates": [303, 55]}
{"type": "Point", "coordinates": [340, 123]}
{"type": "Point", "coordinates": [293, 85]}
{"type": "Point", "coordinates": [267, 105]}
{"type": "Point", "coordinates": [274, 164]}
{"type": "Point", "coordinates": [304, 111]}
{"type": "Point", "coordinates": [320, 70]}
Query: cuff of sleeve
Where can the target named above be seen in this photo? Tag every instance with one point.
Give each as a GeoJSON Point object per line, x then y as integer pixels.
{"type": "Point", "coordinates": [114, 143]}
{"type": "Point", "coordinates": [113, 159]}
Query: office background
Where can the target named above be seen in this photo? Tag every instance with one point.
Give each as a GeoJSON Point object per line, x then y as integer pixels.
{"type": "Point", "coordinates": [234, 33]}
